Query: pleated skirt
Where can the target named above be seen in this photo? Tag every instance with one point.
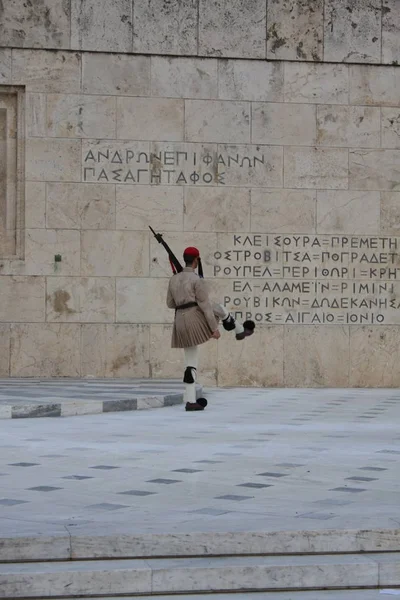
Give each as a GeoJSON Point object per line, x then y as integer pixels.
{"type": "Point", "coordinates": [190, 328]}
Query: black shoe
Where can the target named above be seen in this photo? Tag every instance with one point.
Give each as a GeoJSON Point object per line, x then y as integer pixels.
{"type": "Point", "coordinates": [188, 376]}
{"type": "Point", "coordinates": [191, 406]}
{"type": "Point", "coordinates": [249, 327]}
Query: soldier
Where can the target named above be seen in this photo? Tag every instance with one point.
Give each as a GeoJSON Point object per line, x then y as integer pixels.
{"type": "Point", "coordinates": [196, 320]}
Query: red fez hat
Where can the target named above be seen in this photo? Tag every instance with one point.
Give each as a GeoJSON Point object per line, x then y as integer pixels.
{"type": "Point", "coordinates": [191, 251]}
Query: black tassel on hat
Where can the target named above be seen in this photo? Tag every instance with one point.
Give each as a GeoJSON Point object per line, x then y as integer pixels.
{"type": "Point", "coordinates": [200, 268]}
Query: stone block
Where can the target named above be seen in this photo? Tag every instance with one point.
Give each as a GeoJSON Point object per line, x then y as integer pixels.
{"type": "Point", "coordinates": [241, 257]}
{"type": "Point", "coordinates": [371, 84]}
{"type": "Point", "coordinates": [35, 205]}
{"type": "Point", "coordinates": [168, 363]}
{"type": "Point", "coordinates": [115, 350]}
{"type": "Point", "coordinates": [216, 209]}
{"type": "Point", "coordinates": [72, 409]}
{"type": "Point", "coordinates": [80, 299]}
{"type": "Point", "coordinates": [224, 28]}
{"type": "Point", "coordinates": [12, 166]}
{"type": "Point", "coordinates": [6, 411]}
{"type": "Point", "coordinates": [253, 362]}
{"type": "Point", "coordinates": [184, 77]}
{"type": "Point", "coordinates": [316, 83]}
{"type": "Point", "coordinates": [5, 348]}
{"type": "Point", "coordinates": [158, 206]}
{"type": "Point", "coordinates": [45, 350]}
{"type": "Point", "coordinates": [35, 115]}
{"type": "Point", "coordinates": [390, 213]}
{"type": "Point", "coordinates": [374, 169]}
{"type": "Point", "coordinates": [5, 65]}
{"type": "Point", "coordinates": [183, 163]}
{"type": "Point", "coordinates": [115, 74]}
{"type": "Point", "coordinates": [165, 27]}
{"type": "Point", "coordinates": [352, 31]}
{"type": "Point", "coordinates": [78, 116]}
{"type": "Point", "coordinates": [116, 161]}
{"type": "Point", "coordinates": [355, 126]}
{"type": "Point", "coordinates": [250, 80]}
{"type": "Point", "coordinates": [44, 24]}
{"type": "Point", "coordinates": [374, 356]}
{"type": "Point", "coordinates": [22, 299]}
{"type": "Point", "coordinates": [51, 72]}
{"type": "Point", "coordinates": [50, 159]}
{"type": "Point", "coordinates": [43, 245]}
{"type": "Point", "coordinates": [205, 242]}
{"type": "Point", "coordinates": [284, 124]}
{"type": "Point", "coordinates": [389, 570]}
{"type": "Point", "coordinates": [165, 362]}
{"type": "Point", "coordinates": [250, 166]}
{"type": "Point", "coordinates": [283, 211]}
{"type": "Point", "coordinates": [348, 212]}
{"type": "Point", "coordinates": [390, 32]}
{"type": "Point", "coordinates": [142, 300]}
{"type": "Point", "coordinates": [295, 30]}
{"type": "Point", "coordinates": [115, 253]}
{"type": "Point", "coordinates": [326, 362]}
{"type": "Point", "coordinates": [316, 168]}
{"type": "Point", "coordinates": [217, 121]}
{"type": "Point", "coordinates": [80, 206]}
{"type": "Point", "coordinates": [390, 127]}
{"type": "Point", "coordinates": [101, 25]}
{"type": "Point", "coordinates": [150, 119]}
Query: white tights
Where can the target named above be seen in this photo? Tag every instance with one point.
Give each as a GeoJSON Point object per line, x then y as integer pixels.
{"type": "Point", "coordinates": [191, 360]}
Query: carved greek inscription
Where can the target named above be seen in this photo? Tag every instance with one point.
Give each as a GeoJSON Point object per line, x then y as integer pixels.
{"type": "Point", "coordinates": [311, 279]}
{"type": "Point", "coordinates": [175, 164]}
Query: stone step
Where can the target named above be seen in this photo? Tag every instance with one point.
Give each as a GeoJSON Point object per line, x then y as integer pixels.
{"type": "Point", "coordinates": [62, 399]}
{"type": "Point", "coordinates": [198, 575]}
{"type": "Point", "coordinates": [376, 594]}
{"type": "Point", "coordinates": [78, 546]}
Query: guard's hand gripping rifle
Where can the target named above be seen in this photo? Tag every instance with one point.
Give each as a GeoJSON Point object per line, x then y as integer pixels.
{"type": "Point", "coordinates": [175, 264]}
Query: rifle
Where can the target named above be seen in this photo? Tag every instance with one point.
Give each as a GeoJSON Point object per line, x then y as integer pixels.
{"type": "Point", "coordinates": [175, 264]}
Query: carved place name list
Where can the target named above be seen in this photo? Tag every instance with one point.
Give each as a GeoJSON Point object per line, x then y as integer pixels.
{"type": "Point", "coordinates": [311, 279]}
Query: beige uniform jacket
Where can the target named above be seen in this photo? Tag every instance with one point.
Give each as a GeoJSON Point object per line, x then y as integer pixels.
{"type": "Point", "coordinates": [194, 325]}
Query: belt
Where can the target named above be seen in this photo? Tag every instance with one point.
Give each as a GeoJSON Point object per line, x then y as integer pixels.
{"type": "Point", "coordinates": [187, 305]}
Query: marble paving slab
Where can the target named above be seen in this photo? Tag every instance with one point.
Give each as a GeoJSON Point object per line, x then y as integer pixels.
{"type": "Point", "coordinates": [256, 460]}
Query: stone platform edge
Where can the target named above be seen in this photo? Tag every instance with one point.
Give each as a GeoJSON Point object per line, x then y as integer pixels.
{"type": "Point", "coordinates": [76, 407]}
{"type": "Point", "coordinates": [71, 546]}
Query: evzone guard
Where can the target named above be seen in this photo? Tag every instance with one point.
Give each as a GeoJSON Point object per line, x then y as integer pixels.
{"type": "Point", "coordinates": [196, 317]}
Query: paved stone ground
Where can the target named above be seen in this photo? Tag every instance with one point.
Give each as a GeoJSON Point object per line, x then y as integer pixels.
{"type": "Point", "coordinates": [28, 398]}
{"type": "Point", "coordinates": [254, 460]}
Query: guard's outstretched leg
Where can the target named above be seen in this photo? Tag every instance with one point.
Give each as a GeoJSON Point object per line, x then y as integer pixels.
{"type": "Point", "coordinates": [229, 323]}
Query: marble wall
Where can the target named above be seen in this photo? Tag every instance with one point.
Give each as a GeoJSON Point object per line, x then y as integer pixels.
{"type": "Point", "coordinates": [354, 31]}
{"type": "Point", "coordinates": [238, 157]}
{"type": "Point", "coordinates": [285, 173]}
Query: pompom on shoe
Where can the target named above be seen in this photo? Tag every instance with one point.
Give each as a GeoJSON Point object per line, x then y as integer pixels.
{"type": "Point", "coordinates": [248, 329]}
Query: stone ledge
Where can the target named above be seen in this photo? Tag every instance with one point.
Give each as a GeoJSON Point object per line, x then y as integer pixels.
{"type": "Point", "coordinates": [209, 574]}
{"type": "Point", "coordinates": [69, 398]}
{"type": "Point", "coordinates": [249, 543]}
{"type": "Point", "coordinates": [363, 594]}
